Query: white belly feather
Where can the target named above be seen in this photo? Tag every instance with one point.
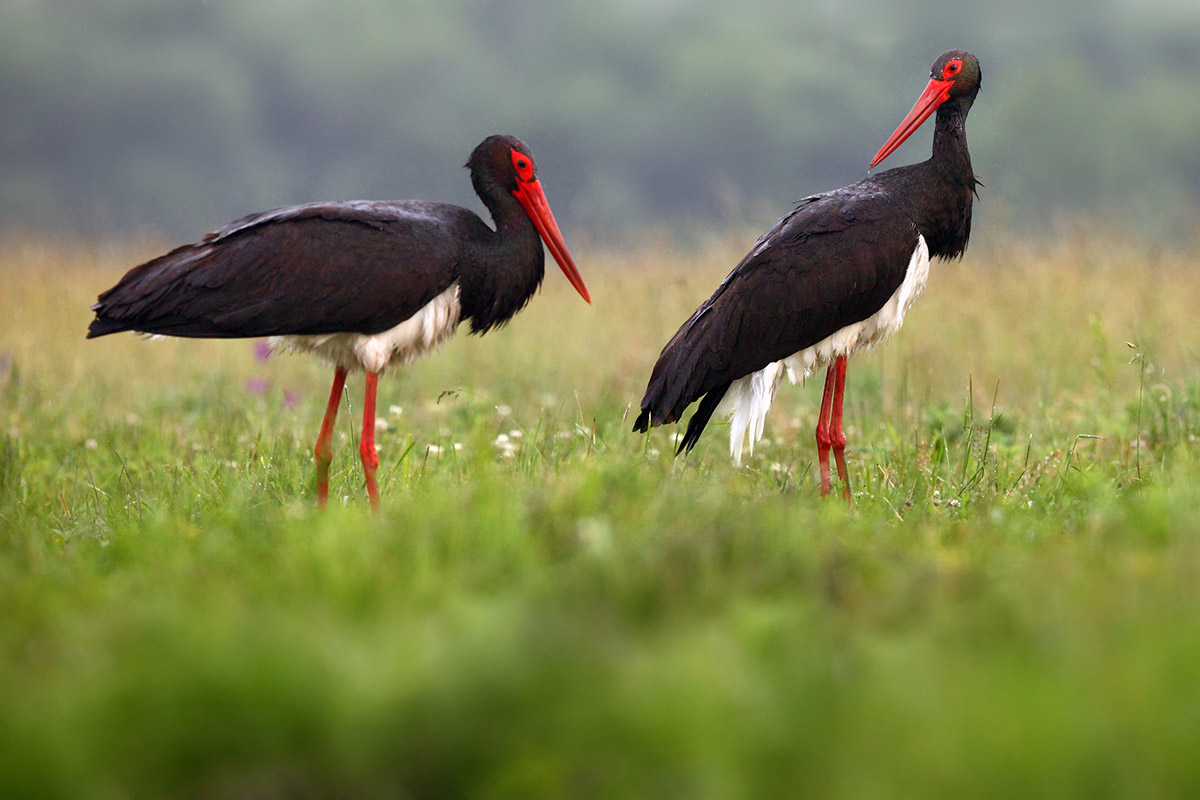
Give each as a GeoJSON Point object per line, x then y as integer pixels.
{"type": "Point", "coordinates": [748, 399]}
{"type": "Point", "coordinates": [425, 330]}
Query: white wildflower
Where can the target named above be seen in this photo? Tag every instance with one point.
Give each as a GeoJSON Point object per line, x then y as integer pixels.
{"type": "Point", "coordinates": [507, 447]}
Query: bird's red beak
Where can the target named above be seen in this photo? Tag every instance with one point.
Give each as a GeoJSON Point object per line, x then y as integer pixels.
{"type": "Point", "coordinates": [533, 200]}
{"type": "Point", "coordinates": [936, 93]}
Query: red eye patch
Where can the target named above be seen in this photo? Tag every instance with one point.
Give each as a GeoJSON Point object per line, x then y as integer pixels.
{"type": "Point", "coordinates": [951, 69]}
{"type": "Point", "coordinates": [523, 164]}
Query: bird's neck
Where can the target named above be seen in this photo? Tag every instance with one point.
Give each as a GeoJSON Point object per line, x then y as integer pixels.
{"type": "Point", "coordinates": [950, 154]}
{"type": "Point", "coordinates": [942, 211]}
{"type": "Point", "coordinates": [505, 271]}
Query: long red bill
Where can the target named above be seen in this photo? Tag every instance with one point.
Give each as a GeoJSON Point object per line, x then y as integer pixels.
{"type": "Point", "coordinates": [533, 200]}
{"type": "Point", "coordinates": [936, 93]}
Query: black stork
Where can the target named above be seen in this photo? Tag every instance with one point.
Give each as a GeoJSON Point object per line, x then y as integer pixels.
{"type": "Point", "coordinates": [832, 278]}
{"type": "Point", "coordinates": [364, 285]}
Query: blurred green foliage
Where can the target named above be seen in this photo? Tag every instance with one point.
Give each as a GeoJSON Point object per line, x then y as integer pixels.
{"type": "Point", "coordinates": [560, 608]}
{"type": "Point", "coordinates": [133, 116]}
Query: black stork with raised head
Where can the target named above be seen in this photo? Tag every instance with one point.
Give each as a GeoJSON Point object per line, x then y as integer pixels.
{"type": "Point", "coordinates": [365, 285]}
{"type": "Point", "coordinates": [832, 278]}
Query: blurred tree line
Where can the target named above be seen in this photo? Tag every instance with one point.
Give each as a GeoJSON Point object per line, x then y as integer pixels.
{"type": "Point", "coordinates": [134, 116]}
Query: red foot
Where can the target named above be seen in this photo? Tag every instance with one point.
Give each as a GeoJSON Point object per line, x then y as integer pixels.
{"type": "Point", "coordinates": [830, 435]}
{"type": "Point", "coordinates": [366, 448]}
{"type": "Point", "coordinates": [835, 422]}
{"type": "Point", "coordinates": [324, 447]}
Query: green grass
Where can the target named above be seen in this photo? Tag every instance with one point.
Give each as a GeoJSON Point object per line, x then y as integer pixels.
{"type": "Point", "coordinates": [1011, 608]}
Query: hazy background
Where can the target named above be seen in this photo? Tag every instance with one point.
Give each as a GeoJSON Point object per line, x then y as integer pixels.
{"type": "Point", "coordinates": [142, 117]}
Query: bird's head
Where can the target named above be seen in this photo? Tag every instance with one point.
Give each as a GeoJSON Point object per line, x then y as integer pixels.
{"type": "Point", "coordinates": [505, 163]}
{"type": "Point", "coordinates": [955, 75]}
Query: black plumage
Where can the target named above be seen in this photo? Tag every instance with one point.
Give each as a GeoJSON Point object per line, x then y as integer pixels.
{"type": "Point", "coordinates": [835, 260]}
{"type": "Point", "coordinates": [340, 278]}
{"type": "Point", "coordinates": [359, 266]}
{"type": "Point", "coordinates": [782, 297]}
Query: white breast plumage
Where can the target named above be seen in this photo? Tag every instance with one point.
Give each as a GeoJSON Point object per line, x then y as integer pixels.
{"type": "Point", "coordinates": [749, 398]}
{"type": "Point", "coordinates": [425, 330]}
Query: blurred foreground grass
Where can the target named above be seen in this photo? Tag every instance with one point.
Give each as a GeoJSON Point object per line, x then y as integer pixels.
{"type": "Point", "coordinates": [550, 605]}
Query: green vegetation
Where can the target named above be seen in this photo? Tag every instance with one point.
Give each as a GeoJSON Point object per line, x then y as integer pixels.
{"type": "Point", "coordinates": [552, 606]}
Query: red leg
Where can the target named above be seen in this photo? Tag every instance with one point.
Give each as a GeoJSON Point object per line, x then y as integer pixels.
{"type": "Point", "coordinates": [366, 447]}
{"type": "Point", "coordinates": [324, 448]}
{"type": "Point", "coordinates": [823, 438]}
{"type": "Point", "coordinates": [837, 435]}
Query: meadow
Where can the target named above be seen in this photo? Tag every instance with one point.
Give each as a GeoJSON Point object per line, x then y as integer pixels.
{"type": "Point", "coordinates": [552, 606]}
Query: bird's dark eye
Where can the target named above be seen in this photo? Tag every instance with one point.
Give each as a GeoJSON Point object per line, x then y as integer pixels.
{"type": "Point", "coordinates": [523, 165]}
{"type": "Point", "coordinates": [951, 69]}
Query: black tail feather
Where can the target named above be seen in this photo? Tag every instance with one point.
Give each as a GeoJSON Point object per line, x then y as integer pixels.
{"type": "Point", "coordinates": [704, 412]}
{"type": "Point", "coordinates": [103, 327]}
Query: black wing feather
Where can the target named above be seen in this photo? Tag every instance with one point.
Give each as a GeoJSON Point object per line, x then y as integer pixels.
{"type": "Point", "coordinates": [699, 420]}
{"type": "Point", "coordinates": [835, 260]}
{"type": "Point", "coordinates": [319, 268]}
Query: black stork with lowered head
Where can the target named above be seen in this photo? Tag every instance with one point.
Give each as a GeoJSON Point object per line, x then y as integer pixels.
{"type": "Point", "coordinates": [365, 285]}
{"type": "Point", "coordinates": [832, 278]}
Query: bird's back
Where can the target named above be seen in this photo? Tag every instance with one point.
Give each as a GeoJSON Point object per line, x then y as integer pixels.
{"type": "Point", "coordinates": [301, 270]}
{"type": "Point", "coordinates": [834, 261]}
